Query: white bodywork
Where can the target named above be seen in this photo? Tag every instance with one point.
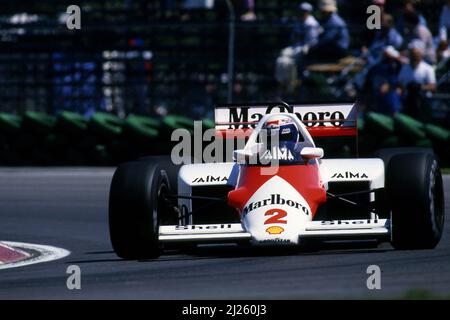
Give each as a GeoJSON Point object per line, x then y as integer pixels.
{"type": "Point", "coordinates": [300, 225]}
{"type": "Point", "coordinates": [296, 221]}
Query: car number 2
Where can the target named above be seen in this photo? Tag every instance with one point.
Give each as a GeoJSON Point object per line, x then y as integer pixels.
{"type": "Point", "coordinates": [277, 216]}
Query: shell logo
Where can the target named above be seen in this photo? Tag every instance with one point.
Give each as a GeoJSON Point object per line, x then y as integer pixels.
{"type": "Point", "coordinates": [274, 230]}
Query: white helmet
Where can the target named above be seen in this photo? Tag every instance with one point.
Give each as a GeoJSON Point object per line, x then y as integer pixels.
{"type": "Point", "coordinates": [284, 127]}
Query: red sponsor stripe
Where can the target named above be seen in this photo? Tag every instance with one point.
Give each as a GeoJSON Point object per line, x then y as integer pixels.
{"type": "Point", "coordinates": [313, 131]}
{"type": "Point", "coordinates": [9, 255]}
{"type": "Point", "coordinates": [332, 131]}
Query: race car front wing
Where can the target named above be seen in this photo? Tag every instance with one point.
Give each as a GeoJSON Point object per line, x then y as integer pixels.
{"type": "Point", "coordinates": [234, 232]}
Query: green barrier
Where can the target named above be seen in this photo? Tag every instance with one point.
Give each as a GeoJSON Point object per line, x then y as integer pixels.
{"type": "Point", "coordinates": [208, 124]}
{"type": "Point", "coordinates": [396, 142]}
{"type": "Point", "coordinates": [39, 122]}
{"type": "Point", "coordinates": [87, 142]}
{"type": "Point", "coordinates": [437, 133]}
{"type": "Point", "coordinates": [409, 127]}
{"type": "Point", "coordinates": [107, 125]}
{"type": "Point", "coordinates": [55, 142]}
{"type": "Point", "coordinates": [125, 149]}
{"type": "Point", "coordinates": [361, 124]}
{"type": "Point", "coordinates": [424, 143]}
{"type": "Point", "coordinates": [379, 124]}
{"type": "Point", "coordinates": [10, 123]}
{"type": "Point", "coordinates": [174, 122]}
{"type": "Point", "coordinates": [142, 127]}
{"type": "Point", "coordinates": [72, 123]}
{"type": "Point", "coordinates": [391, 142]}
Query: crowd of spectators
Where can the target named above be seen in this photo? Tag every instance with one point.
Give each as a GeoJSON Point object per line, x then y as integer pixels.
{"type": "Point", "coordinates": [399, 61]}
{"type": "Point", "coordinates": [188, 40]}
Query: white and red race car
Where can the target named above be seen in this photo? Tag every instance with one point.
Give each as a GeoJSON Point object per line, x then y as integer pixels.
{"type": "Point", "coordinates": [278, 193]}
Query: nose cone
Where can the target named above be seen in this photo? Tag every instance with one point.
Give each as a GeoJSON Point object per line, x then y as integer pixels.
{"type": "Point", "coordinates": [275, 213]}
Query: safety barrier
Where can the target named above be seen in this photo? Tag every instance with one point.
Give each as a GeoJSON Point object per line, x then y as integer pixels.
{"type": "Point", "coordinates": [105, 139]}
{"type": "Point", "coordinates": [70, 139]}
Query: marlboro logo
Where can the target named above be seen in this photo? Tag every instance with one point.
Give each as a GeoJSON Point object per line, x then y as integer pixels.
{"type": "Point", "coordinates": [274, 199]}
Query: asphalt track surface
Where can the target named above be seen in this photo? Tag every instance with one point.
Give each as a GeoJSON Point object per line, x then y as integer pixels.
{"type": "Point", "coordinates": [67, 208]}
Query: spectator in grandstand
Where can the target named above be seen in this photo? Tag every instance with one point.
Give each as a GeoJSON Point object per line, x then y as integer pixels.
{"type": "Point", "coordinates": [416, 30]}
{"type": "Point", "coordinates": [305, 34]}
{"type": "Point", "coordinates": [286, 72]}
{"type": "Point", "coordinates": [444, 30]}
{"type": "Point", "coordinates": [334, 38]}
{"type": "Point", "coordinates": [386, 36]}
{"type": "Point", "coordinates": [416, 79]}
{"type": "Point", "coordinates": [382, 83]}
{"type": "Point", "coordinates": [408, 7]}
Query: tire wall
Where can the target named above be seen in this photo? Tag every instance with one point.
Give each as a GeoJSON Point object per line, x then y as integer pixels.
{"type": "Point", "coordinates": [377, 131]}
{"type": "Point", "coordinates": [36, 139]}
{"type": "Point", "coordinates": [105, 139]}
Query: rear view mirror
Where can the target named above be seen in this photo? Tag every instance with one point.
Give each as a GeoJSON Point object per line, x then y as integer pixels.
{"type": "Point", "coordinates": [240, 156]}
{"type": "Point", "coordinates": [311, 153]}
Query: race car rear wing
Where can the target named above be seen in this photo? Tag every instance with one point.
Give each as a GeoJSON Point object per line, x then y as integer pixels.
{"type": "Point", "coordinates": [321, 120]}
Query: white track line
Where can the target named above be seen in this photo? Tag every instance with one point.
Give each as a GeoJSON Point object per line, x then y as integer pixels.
{"type": "Point", "coordinates": [46, 253]}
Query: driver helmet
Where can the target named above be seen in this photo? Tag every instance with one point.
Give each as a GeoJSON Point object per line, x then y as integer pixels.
{"type": "Point", "coordinates": [284, 127]}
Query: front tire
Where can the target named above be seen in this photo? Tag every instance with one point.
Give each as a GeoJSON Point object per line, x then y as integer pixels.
{"type": "Point", "coordinates": [416, 199]}
{"type": "Point", "coordinates": [166, 164]}
{"type": "Point", "coordinates": [136, 204]}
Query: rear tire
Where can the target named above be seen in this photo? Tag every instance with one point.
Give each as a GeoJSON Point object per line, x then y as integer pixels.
{"type": "Point", "coordinates": [386, 154]}
{"type": "Point", "coordinates": [136, 205]}
{"type": "Point", "coordinates": [416, 199]}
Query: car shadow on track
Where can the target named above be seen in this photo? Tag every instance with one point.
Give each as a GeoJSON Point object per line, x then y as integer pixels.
{"type": "Point", "coordinates": [235, 251]}
{"type": "Point", "coordinates": [319, 249]}
{"type": "Point", "coordinates": [100, 252]}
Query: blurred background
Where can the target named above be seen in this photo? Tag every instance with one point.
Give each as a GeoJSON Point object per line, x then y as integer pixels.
{"type": "Point", "coordinates": [115, 89]}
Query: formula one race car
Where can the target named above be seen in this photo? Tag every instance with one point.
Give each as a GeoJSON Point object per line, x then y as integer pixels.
{"type": "Point", "coordinates": [279, 190]}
